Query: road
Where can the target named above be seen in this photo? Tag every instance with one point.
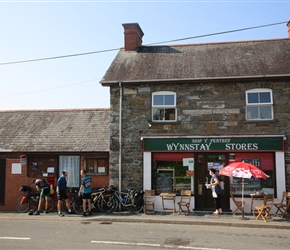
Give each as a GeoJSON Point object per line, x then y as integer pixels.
{"type": "Point", "coordinates": [57, 234]}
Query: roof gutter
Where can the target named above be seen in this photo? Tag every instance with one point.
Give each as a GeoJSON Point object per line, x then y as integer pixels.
{"type": "Point", "coordinates": [201, 79]}
{"type": "Point", "coordinates": [212, 136]}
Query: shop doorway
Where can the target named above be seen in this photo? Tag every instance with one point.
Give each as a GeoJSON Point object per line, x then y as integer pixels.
{"type": "Point", "coordinates": [203, 196]}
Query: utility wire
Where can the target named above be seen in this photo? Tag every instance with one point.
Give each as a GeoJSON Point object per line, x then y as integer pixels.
{"type": "Point", "coordinates": [220, 33]}
{"type": "Point", "coordinates": [58, 57]}
{"type": "Point", "coordinates": [63, 86]}
{"type": "Point", "coordinates": [170, 41]}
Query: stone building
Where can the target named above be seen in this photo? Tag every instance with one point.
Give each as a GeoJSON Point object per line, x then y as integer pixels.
{"type": "Point", "coordinates": [179, 110]}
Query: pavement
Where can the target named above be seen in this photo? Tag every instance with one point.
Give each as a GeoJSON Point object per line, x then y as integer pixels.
{"type": "Point", "coordinates": [194, 218]}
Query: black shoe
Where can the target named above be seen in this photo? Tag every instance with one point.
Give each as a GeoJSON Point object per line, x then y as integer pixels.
{"type": "Point", "coordinates": [71, 212]}
{"type": "Point", "coordinates": [90, 213]}
{"type": "Point", "coordinates": [61, 214]}
{"type": "Point", "coordinates": [84, 214]}
{"type": "Point", "coordinates": [46, 211]}
{"type": "Point", "coordinates": [30, 213]}
{"type": "Point", "coordinates": [36, 213]}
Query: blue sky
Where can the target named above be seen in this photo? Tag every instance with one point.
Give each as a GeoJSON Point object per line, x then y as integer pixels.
{"type": "Point", "coordinates": [44, 29]}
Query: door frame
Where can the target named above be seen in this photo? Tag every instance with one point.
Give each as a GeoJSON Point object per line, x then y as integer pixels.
{"type": "Point", "coordinates": [203, 196]}
{"type": "Point", "coordinates": [2, 180]}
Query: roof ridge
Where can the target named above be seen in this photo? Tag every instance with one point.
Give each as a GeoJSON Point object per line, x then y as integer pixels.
{"type": "Point", "coordinates": [210, 43]}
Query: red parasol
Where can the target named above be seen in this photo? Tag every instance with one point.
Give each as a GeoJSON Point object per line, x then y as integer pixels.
{"type": "Point", "coordinates": [243, 170]}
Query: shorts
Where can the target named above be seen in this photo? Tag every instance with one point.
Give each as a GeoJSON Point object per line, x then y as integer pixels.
{"type": "Point", "coordinates": [86, 196]}
{"type": "Point", "coordinates": [45, 192]}
{"type": "Point", "coordinates": [62, 195]}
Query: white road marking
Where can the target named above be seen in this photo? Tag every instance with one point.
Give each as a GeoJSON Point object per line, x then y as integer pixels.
{"type": "Point", "coordinates": [125, 243]}
{"type": "Point", "coordinates": [14, 238]}
{"type": "Point", "coordinates": [152, 245]}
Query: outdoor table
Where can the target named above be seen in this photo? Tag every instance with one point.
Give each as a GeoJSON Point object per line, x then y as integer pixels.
{"type": "Point", "coordinates": [255, 197]}
{"type": "Point", "coordinates": [170, 197]}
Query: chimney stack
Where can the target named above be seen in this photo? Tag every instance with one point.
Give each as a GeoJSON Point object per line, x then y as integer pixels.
{"type": "Point", "coordinates": [133, 36]}
{"type": "Point", "coordinates": [288, 24]}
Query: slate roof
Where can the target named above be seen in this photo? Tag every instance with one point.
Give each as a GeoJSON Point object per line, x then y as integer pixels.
{"type": "Point", "coordinates": [76, 130]}
{"type": "Point", "coordinates": [194, 62]}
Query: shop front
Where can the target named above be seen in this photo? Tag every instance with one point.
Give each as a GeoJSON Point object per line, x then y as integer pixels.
{"type": "Point", "coordinates": [172, 164]}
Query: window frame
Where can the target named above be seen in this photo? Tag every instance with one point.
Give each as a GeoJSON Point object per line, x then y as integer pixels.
{"type": "Point", "coordinates": [259, 104]}
{"type": "Point", "coordinates": [96, 166]}
{"type": "Point", "coordinates": [164, 107]}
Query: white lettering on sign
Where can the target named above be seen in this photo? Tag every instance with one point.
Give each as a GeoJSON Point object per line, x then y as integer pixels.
{"type": "Point", "coordinates": [179, 146]}
{"type": "Point", "coordinates": [242, 146]}
{"type": "Point", "coordinates": [206, 146]}
{"type": "Point", "coordinates": [220, 140]}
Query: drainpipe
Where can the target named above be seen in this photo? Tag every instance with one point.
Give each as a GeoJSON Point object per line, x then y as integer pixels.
{"type": "Point", "coordinates": [120, 138]}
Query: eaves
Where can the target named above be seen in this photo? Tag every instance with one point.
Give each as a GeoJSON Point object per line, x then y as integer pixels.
{"type": "Point", "coordinates": [204, 79]}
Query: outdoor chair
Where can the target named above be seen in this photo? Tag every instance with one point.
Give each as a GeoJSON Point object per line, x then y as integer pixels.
{"type": "Point", "coordinates": [239, 204]}
{"type": "Point", "coordinates": [184, 203]}
{"type": "Point", "coordinates": [283, 206]}
{"type": "Point", "coordinates": [265, 209]}
{"type": "Point", "coordinates": [149, 199]}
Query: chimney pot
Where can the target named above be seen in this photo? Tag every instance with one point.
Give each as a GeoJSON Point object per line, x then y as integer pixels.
{"type": "Point", "coordinates": [288, 24]}
{"type": "Point", "coordinates": [133, 36]}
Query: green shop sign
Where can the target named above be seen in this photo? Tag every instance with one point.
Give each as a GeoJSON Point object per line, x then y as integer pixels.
{"type": "Point", "coordinates": [211, 144]}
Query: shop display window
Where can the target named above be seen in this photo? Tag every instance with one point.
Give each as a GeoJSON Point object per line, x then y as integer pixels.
{"type": "Point", "coordinates": [170, 177]}
{"type": "Point", "coordinates": [264, 161]}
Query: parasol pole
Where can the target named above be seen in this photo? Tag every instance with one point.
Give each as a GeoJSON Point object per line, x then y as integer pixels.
{"type": "Point", "coordinates": [243, 197]}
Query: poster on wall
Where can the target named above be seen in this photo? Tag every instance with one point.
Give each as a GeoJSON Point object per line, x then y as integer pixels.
{"type": "Point", "coordinates": [16, 168]}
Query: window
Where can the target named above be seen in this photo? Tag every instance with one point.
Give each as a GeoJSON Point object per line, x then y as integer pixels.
{"type": "Point", "coordinates": [164, 106]}
{"type": "Point", "coordinates": [41, 166]}
{"type": "Point", "coordinates": [264, 161]}
{"type": "Point", "coordinates": [259, 104]}
{"type": "Point", "coordinates": [170, 172]}
{"type": "Point", "coordinates": [97, 166]}
{"type": "Point", "coordinates": [70, 163]}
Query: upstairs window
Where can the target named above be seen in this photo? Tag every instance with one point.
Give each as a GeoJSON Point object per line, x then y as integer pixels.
{"type": "Point", "coordinates": [259, 104]}
{"type": "Point", "coordinates": [163, 106]}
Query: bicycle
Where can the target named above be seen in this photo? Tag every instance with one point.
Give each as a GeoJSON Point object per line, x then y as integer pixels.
{"type": "Point", "coordinates": [103, 201]}
{"type": "Point", "coordinates": [78, 202]}
{"type": "Point", "coordinates": [132, 200]}
{"type": "Point", "coordinates": [25, 202]}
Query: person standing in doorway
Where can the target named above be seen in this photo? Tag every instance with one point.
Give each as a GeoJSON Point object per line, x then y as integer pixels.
{"type": "Point", "coordinates": [85, 191]}
{"type": "Point", "coordinates": [216, 191]}
{"type": "Point", "coordinates": [61, 193]}
{"type": "Point", "coordinates": [43, 188]}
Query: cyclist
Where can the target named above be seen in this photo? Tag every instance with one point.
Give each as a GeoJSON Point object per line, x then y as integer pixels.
{"type": "Point", "coordinates": [61, 193]}
{"type": "Point", "coordinates": [42, 187]}
{"type": "Point", "coordinates": [86, 189]}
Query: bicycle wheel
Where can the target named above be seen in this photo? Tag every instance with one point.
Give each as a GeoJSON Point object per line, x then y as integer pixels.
{"type": "Point", "coordinates": [50, 204]}
{"type": "Point", "coordinates": [22, 206]}
{"type": "Point", "coordinates": [135, 209]}
{"type": "Point", "coordinates": [136, 204]}
{"type": "Point", "coordinates": [78, 208]}
{"type": "Point", "coordinates": [107, 203]}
